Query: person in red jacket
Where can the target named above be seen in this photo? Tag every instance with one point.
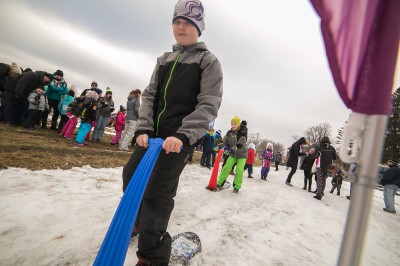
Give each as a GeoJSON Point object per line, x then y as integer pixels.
{"type": "Point", "coordinates": [119, 125]}
{"type": "Point", "coordinates": [251, 152]}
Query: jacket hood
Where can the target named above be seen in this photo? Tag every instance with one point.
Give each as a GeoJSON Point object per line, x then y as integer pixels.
{"type": "Point", "coordinates": [200, 46]}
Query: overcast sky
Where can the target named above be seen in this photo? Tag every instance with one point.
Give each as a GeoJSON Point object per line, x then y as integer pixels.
{"type": "Point", "coordinates": [276, 74]}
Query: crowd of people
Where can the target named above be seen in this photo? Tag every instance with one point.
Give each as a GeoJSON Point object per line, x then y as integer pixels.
{"type": "Point", "coordinates": [28, 97]}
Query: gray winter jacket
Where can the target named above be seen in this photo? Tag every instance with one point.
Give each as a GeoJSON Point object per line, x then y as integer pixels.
{"type": "Point", "coordinates": [236, 146]}
{"type": "Point", "coordinates": [184, 94]}
{"type": "Point", "coordinates": [37, 101]}
{"type": "Point", "coordinates": [132, 108]}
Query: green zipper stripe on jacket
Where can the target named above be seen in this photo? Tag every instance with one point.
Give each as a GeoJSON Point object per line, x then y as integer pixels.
{"type": "Point", "coordinates": [165, 92]}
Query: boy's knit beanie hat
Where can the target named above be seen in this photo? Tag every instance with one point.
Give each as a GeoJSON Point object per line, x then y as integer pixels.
{"type": "Point", "coordinates": [235, 120]}
{"type": "Point", "coordinates": [108, 90]}
{"type": "Point", "coordinates": [394, 162]}
{"type": "Point", "coordinates": [218, 132]}
{"type": "Point", "coordinates": [192, 11]}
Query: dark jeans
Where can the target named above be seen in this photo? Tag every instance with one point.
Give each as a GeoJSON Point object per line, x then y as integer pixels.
{"type": "Point", "coordinates": [13, 109]}
{"type": "Point", "coordinates": [63, 121]}
{"type": "Point", "coordinates": [291, 173]}
{"type": "Point", "coordinates": [205, 158]}
{"type": "Point", "coordinates": [53, 104]}
{"type": "Point", "coordinates": [32, 117]}
{"type": "Point", "coordinates": [249, 167]}
{"type": "Point", "coordinates": [158, 202]}
{"type": "Point", "coordinates": [307, 177]}
{"type": "Point", "coordinates": [276, 166]}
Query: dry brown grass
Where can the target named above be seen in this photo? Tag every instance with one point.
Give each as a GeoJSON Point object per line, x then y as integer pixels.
{"type": "Point", "coordinates": [46, 149]}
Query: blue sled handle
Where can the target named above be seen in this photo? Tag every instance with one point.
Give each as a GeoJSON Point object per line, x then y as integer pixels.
{"type": "Point", "coordinates": [115, 244]}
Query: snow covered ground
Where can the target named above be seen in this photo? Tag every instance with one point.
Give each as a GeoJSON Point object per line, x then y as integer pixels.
{"type": "Point", "coordinates": [60, 217]}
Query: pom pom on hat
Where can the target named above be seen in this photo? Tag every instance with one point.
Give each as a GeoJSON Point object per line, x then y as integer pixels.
{"type": "Point", "coordinates": [14, 70]}
{"type": "Point", "coordinates": [92, 94]}
{"type": "Point", "coordinates": [192, 11]}
{"type": "Point", "coordinates": [235, 120]}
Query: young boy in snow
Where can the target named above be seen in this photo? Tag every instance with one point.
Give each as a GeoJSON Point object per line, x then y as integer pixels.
{"type": "Point", "coordinates": [337, 182]}
{"type": "Point", "coordinates": [37, 104]}
{"type": "Point", "coordinates": [88, 116]}
{"type": "Point", "coordinates": [74, 110]}
{"type": "Point", "coordinates": [119, 125]}
{"type": "Point", "coordinates": [183, 96]}
{"type": "Point", "coordinates": [208, 146]}
{"type": "Point", "coordinates": [251, 152]}
{"type": "Point", "coordinates": [237, 154]}
{"type": "Point", "coordinates": [268, 156]}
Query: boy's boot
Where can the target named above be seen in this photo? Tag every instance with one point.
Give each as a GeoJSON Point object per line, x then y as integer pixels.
{"type": "Point", "coordinates": [331, 191]}
{"type": "Point", "coordinates": [309, 189]}
{"type": "Point", "coordinates": [338, 192]}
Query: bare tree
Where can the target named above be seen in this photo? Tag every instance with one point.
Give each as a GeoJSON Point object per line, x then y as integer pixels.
{"type": "Point", "coordinates": [315, 133]}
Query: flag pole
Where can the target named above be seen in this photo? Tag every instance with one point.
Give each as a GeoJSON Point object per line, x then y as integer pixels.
{"type": "Point", "coordinates": [372, 136]}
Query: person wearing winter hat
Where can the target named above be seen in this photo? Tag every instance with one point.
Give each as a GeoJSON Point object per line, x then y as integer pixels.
{"type": "Point", "coordinates": [177, 106]}
{"type": "Point", "coordinates": [106, 107]}
{"type": "Point", "coordinates": [62, 107]}
{"type": "Point", "coordinates": [251, 153]}
{"type": "Point", "coordinates": [294, 153]}
{"type": "Point", "coordinates": [391, 183]}
{"type": "Point", "coordinates": [119, 125]}
{"type": "Point", "coordinates": [55, 91]}
{"type": "Point", "coordinates": [327, 154]}
{"type": "Point", "coordinates": [93, 87]}
{"type": "Point", "coordinates": [268, 156]}
{"type": "Point", "coordinates": [191, 11]}
{"type": "Point", "coordinates": [88, 115]}
{"type": "Point", "coordinates": [235, 145]}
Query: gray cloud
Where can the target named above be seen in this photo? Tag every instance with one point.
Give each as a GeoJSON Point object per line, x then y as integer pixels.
{"type": "Point", "coordinates": [276, 75]}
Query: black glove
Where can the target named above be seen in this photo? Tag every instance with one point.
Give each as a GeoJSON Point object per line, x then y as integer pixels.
{"type": "Point", "coordinates": [112, 109]}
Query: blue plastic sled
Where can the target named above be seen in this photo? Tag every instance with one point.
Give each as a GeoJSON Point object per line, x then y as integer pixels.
{"type": "Point", "coordinates": [116, 242]}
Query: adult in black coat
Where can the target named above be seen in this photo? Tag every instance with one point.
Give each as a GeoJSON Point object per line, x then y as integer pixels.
{"type": "Point", "coordinates": [391, 183]}
{"type": "Point", "coordinates": [6, 72]}
{"type": "Point", "coordinates": [294, 153]}
{"type": "Point", "coordinates": [18, 90]}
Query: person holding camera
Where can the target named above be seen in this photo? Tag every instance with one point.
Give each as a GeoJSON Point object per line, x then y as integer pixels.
{"type": "Point", "coordinates": [105, 110]}
{"type": "Point", "coordinates": [37, 104]}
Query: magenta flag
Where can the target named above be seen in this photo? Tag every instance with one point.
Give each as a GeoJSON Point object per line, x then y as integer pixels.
{"type": "Point", "coordinates": [361, 42]}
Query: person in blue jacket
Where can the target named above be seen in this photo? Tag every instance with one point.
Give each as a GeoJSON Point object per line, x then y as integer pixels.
{"type": "Point", "coordinates": [208, 145]}
{"type": "Point", "coordinates": [62, 108]}
{"type": "Point", "coordinates": [55, 89]}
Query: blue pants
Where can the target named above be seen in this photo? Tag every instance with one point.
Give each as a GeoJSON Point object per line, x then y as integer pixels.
{"type": "Point", "coordinates": [389, 192]}
{"type": "Point", "coordinates": [264, 171]}
{"type": "Point", "coordinates": [102, 122]}
{"type": "Point", "coordinates": [82, 132]}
